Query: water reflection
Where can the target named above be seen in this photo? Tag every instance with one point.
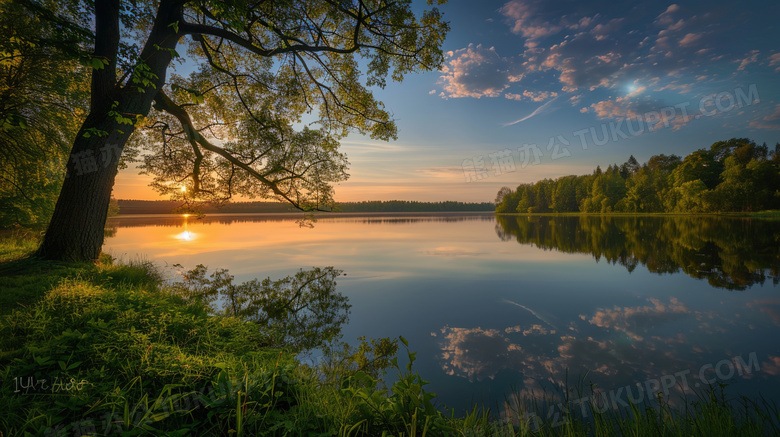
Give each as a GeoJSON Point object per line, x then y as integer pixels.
{"type": "Point", "coordinates": [732, 253]}
{"type": "Point", "coordinates": [186, 234]}
{"type": "Point", "coordinates": [611, 348]}
{"type": "Point", "coordinates": [625, 345]}
{"type": "Point", "coordinates": [491, 317]}
{"type": "Point", "coordinates": [175, 220]}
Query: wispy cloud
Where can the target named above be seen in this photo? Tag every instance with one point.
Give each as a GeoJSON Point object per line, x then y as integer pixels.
{"type": "Point", "coordinates": [753, 57]}
{"type": "Point", "coordinates": [770, 122]}
{"type": "Point", "coordinates": [536, 112]}
{"type": "Point", "coordinates": [535, 314]}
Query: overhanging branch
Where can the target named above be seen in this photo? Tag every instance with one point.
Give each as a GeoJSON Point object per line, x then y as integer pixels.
{"type": "Point", "coordinates": [164, 103]}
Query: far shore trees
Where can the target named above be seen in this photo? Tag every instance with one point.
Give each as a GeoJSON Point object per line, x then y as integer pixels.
{"type": "Point", "coordinates": [736, 175]}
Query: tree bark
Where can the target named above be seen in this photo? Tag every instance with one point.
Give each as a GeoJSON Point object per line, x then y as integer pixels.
{"type": "Point", "coordinates": [76, 230]}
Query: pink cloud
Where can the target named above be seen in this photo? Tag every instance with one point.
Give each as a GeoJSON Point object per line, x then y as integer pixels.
{"type": "Point", "coordinates": [689, 39]}
{"type": "Point", "coordinates": [775, 60]}
{"type": "Point", "coordinates": [770, 307]}
{"type": "Point", "coordinates": [753, 57]}
{"type": "Point", "coordinates": [533, 96]}
{"type": "Point", "coordinates": [653, 113]}
{"type": "Point", "coordinates": [770, 122]}
{"type": "Point", "coordinates": [772, 366]}
{"type": "Point", "coordinates": [668, 21]}
{"type": "Point", "coordinates": [524, 22]}
{"type": "Point", "coordinates": [476, 71]}
{"type": "Point", "coordinates": [634, 320]}
{"type": "Point", "coordinates": [477, 353]}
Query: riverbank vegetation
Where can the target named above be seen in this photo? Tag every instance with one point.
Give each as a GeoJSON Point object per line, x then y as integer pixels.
{"type": "Point", "coordinates": [116, 349]}
{"type": "Point", "coordinates": [731, 176]}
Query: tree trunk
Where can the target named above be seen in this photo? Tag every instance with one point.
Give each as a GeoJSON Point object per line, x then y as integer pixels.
{"type": "Point", "coordinates": [76, 230]}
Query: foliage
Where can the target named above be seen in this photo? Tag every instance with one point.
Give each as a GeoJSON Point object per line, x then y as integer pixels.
{"type": "Point", "coordinates": [117, 354]}
{"type": "Point", "coordinates": [107, 350]}
{"type": "Point", "coordinates": [731, 176]}
{"type": "Point", "coordinates": [270, 89]}
{"type": "Point", "coordinates": [227, 127]}
{"type": "Point", "coordinates": [42, 93]}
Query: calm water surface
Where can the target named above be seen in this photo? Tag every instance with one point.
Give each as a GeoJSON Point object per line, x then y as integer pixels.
{"type": "Point", "coordinates": [507, 306]}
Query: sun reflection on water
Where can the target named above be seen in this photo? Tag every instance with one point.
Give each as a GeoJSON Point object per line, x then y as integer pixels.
{"type": "Point", "coordinates": [186, 235]}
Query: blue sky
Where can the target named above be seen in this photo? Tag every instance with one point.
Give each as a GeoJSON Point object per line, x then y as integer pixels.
{"type": "Point", "coordinates": [537, 89]}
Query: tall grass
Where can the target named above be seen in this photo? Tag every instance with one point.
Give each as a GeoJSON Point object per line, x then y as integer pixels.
{"type": "Point", "coordinates": [103, 349]}
{"type": "Point", "coordinates": [16, 244]}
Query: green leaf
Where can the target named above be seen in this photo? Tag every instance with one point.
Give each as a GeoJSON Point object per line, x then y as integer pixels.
{"type": "Point", "coordinates": [43, 361]}
{"type": "Point", "coordinates": [98, 63]}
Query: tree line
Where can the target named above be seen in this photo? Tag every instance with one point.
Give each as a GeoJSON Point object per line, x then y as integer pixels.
{"type": "Point", "coordinates": [411, 206]}
{"type": "Point", "coordinates": [731, 176]}
{"type": "Point", "coordinates": [169, 206]}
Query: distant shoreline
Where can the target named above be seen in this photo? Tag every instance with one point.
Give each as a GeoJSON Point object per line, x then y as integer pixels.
{"type": "Point", "coordinates": [138, 207]}
{"type": "Point", "coordinates": [317, 213]}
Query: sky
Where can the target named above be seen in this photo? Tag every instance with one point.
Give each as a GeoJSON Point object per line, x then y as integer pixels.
{"type": "Point", "coordinates": [542, 89]}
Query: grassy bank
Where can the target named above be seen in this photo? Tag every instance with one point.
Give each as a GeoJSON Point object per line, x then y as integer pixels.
{"type": "Point", "coordinates": [107, 349]}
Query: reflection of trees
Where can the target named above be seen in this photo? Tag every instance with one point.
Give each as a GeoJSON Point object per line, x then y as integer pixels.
{"type": "Point", "coordinates": [300, 312]}
{"type": "Point", "coordinates": [170, 220]}
{"type": "Point", "coordinates": [732, 253]}
{"type": "Point", "coordinates": [110, 230]}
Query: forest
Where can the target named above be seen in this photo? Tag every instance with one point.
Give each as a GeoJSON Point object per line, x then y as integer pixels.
{"type": "Point", "coordinates": [735, 175]}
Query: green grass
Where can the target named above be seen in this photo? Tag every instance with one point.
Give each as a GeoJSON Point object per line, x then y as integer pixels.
{"type": "Point", "coordinates": [766, 214]}
{"type": "Point", "coordinates": [122, 356]}
{"type": "Point", "coordinates": [16, 245]}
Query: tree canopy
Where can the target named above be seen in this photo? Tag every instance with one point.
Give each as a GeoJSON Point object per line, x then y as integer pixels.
{"type": "Point", "coordinates": [261, 93]}
{"type": "Point", "coordinates": [731, 176]}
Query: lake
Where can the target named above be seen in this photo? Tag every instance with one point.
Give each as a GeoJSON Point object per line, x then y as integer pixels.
{"type": "Point", "coordinates": [511, 307]}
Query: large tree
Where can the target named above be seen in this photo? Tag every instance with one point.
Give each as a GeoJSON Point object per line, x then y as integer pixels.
{"type": "Point", "coordinates": [256, 75]}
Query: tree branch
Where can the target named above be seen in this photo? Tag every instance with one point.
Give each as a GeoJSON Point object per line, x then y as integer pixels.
{"type": "Point", "coordinates": [203, 29]}
{"type": "Point", "coordinates": [164, 103]}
